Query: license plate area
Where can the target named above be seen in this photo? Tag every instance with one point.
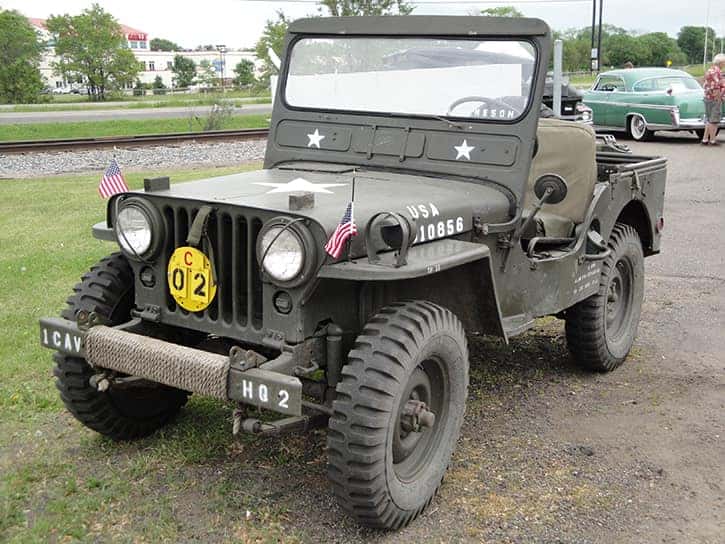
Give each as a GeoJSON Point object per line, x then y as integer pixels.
{"type": "Point", "coordinates": [270, 390]}
{"type": "Point", "coordinates": [62, 335]}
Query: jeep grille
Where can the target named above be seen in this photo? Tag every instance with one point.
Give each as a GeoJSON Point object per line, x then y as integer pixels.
{"type": "Point", "coordinates": [237, 306]}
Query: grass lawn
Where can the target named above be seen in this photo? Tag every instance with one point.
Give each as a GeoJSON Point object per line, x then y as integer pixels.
{"type": "Point", "coordinates": [121, 127]}
{"type": "Point", "coordinates": [75, 101]}
{"type": "Point", "coordinates": [143, 103]}
{"type": "Point", "coordinates": [60, 482]}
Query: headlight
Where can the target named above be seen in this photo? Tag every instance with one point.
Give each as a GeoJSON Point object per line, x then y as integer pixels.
{"type": "Point", "coordinates": [133, 230]}
{"type": "Point", "coordinates": [283, 252]}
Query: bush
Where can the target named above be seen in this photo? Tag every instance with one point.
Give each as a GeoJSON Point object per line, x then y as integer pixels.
{"type": "Point", "coordinates": [158, 86]}
{"type": "Point", "coordinates": [139, 89]}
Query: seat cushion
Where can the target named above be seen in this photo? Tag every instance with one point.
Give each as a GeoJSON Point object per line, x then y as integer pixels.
{"type": "Point", "coordinates": [569, 150]}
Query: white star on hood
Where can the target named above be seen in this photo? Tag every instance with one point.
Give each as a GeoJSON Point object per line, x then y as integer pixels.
{"type": "Point", "coordinates": [299, 184]}
{"type": "Point", "coordinates": [464, 150]}
{"type": "Point", "coordinates": [315, 139]}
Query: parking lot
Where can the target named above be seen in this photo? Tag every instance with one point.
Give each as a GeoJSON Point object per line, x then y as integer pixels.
{"type": "Point", "coordinates": [548, 453]}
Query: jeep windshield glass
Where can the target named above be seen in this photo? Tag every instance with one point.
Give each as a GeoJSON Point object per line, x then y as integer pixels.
{"type": "Point", "coordinates": [470, 79]}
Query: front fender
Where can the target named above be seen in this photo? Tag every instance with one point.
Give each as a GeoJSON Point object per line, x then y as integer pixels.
{"type": "Point", "coordinates": [455, 274]}
{"type": "Point", "coordinates": [422, 260]}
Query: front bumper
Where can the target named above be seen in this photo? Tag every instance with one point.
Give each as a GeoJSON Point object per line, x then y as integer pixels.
{"type": "Point", "coordinates": [189, 369]}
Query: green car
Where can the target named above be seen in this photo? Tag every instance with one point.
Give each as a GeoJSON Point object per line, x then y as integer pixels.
{"type": "Point", "coordinates": [640, 101]}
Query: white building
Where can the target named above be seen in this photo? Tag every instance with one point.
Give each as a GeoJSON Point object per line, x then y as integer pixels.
{"type": "Point", "coordinates": [155, 63]}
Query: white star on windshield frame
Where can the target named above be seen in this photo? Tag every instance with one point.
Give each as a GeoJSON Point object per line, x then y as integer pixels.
{"type": "Point", "coordinates": [299, 184]}
{"type": "Point", "coordinates": [315, 139]}
{"type": "Point", "coordinates": [464, 150]}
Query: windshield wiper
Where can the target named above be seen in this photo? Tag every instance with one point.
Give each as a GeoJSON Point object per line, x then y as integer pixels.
{"type": "Point", "coordinates": [448, 122]}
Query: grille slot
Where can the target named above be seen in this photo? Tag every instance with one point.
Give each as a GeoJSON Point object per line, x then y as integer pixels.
{"type": "Point", "coordinates": [238, 304]}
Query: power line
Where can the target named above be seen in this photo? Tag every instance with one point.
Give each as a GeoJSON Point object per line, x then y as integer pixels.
{"type": "Point", "coordinates": [441, 2]}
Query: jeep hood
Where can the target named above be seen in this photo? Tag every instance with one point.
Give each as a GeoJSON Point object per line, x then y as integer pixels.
{"type": "Point", "coordinates": [435, 203]}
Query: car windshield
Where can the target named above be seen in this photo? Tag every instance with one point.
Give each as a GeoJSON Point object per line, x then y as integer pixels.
{"type": "Point", "coordinates": [473, 79]}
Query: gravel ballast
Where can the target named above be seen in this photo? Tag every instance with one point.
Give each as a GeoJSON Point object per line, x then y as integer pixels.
{"type": "Point", "coordinates": [31, 165]}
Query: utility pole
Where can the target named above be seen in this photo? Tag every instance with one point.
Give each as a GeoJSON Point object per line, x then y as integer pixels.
{"type": "Point", "coordinates": [558, 62]}
{"type": "Point", "coordinates": [222, 49]}
{"type": "Point", "coordinates": [593, 55]}
{"type": "Point", "coordinates": [599, 36]}
{"type": "Point", "coordinates": [707, 25]}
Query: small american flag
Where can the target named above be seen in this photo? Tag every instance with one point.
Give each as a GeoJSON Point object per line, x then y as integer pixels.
{"type": "Point", "coordinates": [112, 181]}
{"type": "Point", "coordinates": [344, 231]}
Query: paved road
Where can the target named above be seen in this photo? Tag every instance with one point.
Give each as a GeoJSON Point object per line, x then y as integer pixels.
{"type": "Point", "coordinates": [9, 118]}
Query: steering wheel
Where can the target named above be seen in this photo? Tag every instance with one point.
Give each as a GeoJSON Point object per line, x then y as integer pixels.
{"type": "Point", "coordinates": [484, 100]}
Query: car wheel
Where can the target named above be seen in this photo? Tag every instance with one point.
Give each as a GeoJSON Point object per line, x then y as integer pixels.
{"type": "Point", "coordinates": [121, 413]}
{"type": "Point", "coordinates": [601, 329]}
{"type": "Point", "coordinates": [397, 414]}
{"type": "Point", "coordinates": [637, 128]}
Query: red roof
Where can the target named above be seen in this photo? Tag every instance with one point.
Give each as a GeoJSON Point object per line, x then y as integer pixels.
{"type": "Point", "coordinates": [37, 22]}
{"type": "Point", "coordinates": [126, 29]}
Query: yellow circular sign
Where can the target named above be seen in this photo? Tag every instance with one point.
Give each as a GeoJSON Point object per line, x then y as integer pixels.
{"type": "Point", "coordinates": [190, 279]}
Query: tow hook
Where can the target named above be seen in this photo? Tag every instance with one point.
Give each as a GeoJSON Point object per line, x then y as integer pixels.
{"type": "Point", "coordinates": [100, 382]}
{"type": "Point", "coordinates": [416, 416]}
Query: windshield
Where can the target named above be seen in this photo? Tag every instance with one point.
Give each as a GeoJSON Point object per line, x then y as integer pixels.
{"type": "Point", "coordinates": [471, 79]}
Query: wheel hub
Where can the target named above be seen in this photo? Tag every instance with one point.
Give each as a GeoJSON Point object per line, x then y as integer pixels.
{"type": "Point", "coordinates": [415, 416]}
{"type": "Point", "coordinates": [618, 300]}
{"type": "Point", "coordinates": [416, 419]}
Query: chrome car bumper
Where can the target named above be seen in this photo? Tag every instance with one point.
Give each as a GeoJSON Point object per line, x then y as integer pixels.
{"type": "Point", "coordinates": [690, 124]}
{"type": "Point", "coordinates": [683, 124]}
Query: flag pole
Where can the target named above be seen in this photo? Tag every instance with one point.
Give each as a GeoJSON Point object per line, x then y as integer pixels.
{"type": "Point", "coordinates": [352, 215]}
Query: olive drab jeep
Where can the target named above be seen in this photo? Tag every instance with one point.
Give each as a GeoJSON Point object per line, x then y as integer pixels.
{"type": "Point", "coordinates": [410, 194]}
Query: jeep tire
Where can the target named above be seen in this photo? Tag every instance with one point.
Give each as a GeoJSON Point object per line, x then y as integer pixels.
{"type": "Point", "coordinates": [126, 413]}
{"type": "Point", "coordinates": [409, 356]}
{"type": "Point", "coordinates": [601, 329]}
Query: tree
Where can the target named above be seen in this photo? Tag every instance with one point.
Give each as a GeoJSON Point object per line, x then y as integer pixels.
{"type": "Point", "coordinates": [245, 73]}
{"type": "Point", "coordinates": [162, 44]}
{"type": "Point", "coordinates": [20, 79]}
{"type": "Point", "coordinates": [139, 89]}
{"type": "Point", "coordinates": [158, 86]}
{"type": "Point", "coordinates": [272, 38]}
{"type": "Point", "coordinates": [342, 8]}
{"type": "Point", "coordinates": [91, 47]}
{"type": "Point", "coordinates": [206, 74]}
{"type": "Point", "coordinates": [660, 49]}
{"type": "Point", "coordinates": [502, 11]}
{"type": "Point", "coordinates": [691, 40]}
{"type": "Point", "coordinates": [184, 70]}
{"type": "Point", "coordinates": [621, 48]}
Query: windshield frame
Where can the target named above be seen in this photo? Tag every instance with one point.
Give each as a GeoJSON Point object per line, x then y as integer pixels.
{"type": "Point", "coordinates": [443, 118]}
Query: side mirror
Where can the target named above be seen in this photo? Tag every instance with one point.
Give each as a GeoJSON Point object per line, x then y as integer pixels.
{"type": "Point", "coordinates": [550, 189]}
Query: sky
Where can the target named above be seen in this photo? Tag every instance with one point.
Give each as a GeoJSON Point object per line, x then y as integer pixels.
{"type": "Point", "coordinates": [238, 23]}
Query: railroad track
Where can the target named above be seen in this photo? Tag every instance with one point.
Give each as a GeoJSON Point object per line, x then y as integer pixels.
{"type": "Point", "coordinates": [73, 144]}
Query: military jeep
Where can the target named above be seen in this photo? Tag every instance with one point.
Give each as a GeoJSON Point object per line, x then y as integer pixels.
{"type": "Point", "coordinates": [402, 204]}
